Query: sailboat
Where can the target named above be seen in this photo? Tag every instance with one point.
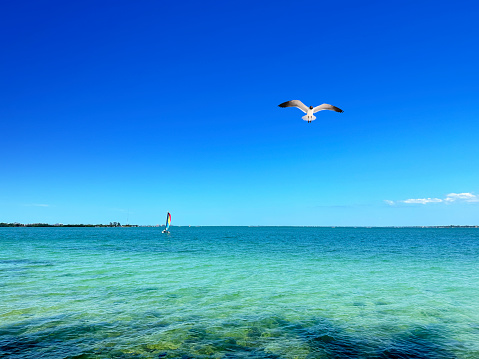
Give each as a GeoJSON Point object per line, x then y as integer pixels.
{"type": "Point", "coordinates": [168, 221]}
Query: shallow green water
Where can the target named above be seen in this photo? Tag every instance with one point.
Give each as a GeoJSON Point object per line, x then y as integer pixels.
{"type": "Point", "coordinates": [238, 292]}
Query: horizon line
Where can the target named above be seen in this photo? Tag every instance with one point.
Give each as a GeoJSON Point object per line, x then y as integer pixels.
{"type": "Point", "coordinates": [118, 225]}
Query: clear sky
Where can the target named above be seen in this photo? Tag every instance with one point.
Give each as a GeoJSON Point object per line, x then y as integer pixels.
{"type": "Point", "coordinates": [124, 110]}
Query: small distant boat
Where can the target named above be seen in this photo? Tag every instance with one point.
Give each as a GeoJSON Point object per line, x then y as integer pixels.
{"type": "Point", "coordinates": [168, 221]}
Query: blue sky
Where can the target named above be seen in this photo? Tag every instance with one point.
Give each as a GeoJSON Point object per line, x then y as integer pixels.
{"type": "Point", "coordinates": [124, 110]}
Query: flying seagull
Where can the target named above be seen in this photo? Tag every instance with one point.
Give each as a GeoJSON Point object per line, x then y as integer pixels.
{"type": "Point", "coordinates": [309, 110]}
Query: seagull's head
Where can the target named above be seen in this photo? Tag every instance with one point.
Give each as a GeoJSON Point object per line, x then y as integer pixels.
{"type": "Point", "coordinates": [310, 107]}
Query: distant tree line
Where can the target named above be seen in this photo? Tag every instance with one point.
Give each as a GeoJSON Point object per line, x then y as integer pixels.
{"type": "Point", "coordinates": [112, 224]}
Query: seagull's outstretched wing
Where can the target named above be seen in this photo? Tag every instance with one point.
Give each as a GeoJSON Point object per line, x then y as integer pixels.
{"type": "Point", "coordinates": [295, 103]}
{"type": "Point", "coordinates": [325, 106]}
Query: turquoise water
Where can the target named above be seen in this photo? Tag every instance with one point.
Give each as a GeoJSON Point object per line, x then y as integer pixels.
{"type": "Point", "coordinates": [239, 292]}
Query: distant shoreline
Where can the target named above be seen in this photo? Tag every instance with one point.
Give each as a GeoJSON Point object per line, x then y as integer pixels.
{"type": "Point", "coordinates": [112, 224]}
{"type": "Point", "coordinates": [116, 225]}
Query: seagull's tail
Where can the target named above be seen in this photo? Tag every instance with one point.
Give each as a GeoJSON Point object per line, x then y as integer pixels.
{"type": "Point", "coordinates": [309, 118]}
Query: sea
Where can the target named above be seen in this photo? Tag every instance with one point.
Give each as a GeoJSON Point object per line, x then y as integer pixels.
{"type": "Point", "coordinates": [239, 292]}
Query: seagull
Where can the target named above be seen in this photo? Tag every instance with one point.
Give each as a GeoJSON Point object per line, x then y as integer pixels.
{"type": "Point", "coordinates": [309, 110]}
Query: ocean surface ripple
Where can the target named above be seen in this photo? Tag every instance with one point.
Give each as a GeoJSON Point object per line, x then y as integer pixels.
{"type": "Point", "coordinates": [239, 292]}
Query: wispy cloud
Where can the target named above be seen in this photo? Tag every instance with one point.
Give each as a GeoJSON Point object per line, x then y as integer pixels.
{"type": "Point", "coordinates": [450, 198]}
{"type": "Point", "coordinates": [37, 205]}
{"type": "Point", "coordinates": [422, 200]}
{"type": "Point", "coordinates": [463, 197]}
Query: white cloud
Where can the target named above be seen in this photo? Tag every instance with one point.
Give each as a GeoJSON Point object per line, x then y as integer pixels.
{"type": "Point", "coordinates": [37, 205]}
{"type": "Point", "coordinates": [450, 198]}
{"type": "Point", "coordinates": [422, 200]}
{"type": "Point", "coordinates": [465, 197]}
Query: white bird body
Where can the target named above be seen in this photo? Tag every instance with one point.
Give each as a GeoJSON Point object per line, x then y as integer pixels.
{"type": "Point", "coordinates": [309, 111]}
{"type": "Point", "coordinates": [309, 116]}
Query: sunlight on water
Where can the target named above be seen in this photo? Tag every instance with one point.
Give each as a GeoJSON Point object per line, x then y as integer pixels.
{"type": "Point", "coordinates": [238, 292]}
